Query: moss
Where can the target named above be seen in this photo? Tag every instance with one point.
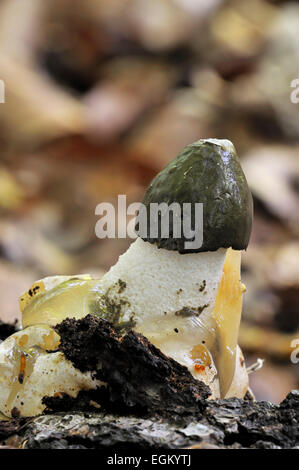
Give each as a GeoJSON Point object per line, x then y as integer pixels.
{"type": "Point", "coordinates": [110, 306]}
{"type": "Point", "coordinates": [122, 286]}
{"type": "Point", "coordinates": [190, 311]}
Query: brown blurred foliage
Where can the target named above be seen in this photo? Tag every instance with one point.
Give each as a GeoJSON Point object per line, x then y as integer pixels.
{"type": "Point", "coordinates": [100, 95]}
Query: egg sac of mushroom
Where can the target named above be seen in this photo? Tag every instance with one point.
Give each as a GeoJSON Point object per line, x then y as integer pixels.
{"type": "Point", "coordinates": [28, 372]}
{"type": "Point", "coordinates": [187, 305]}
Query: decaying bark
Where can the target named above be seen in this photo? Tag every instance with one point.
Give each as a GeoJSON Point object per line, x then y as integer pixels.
{"type": "Point", "coordinates": [150, 401]}
{"type": "Point", "coordinates": [230, 423]}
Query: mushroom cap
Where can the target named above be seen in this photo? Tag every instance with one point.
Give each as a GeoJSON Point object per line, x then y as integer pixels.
{"type": "Point", "coordinates": [208, 172]}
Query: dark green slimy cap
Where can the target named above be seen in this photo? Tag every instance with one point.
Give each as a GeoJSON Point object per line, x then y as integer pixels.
{"type": "Point", "coordinates": [207, 171]}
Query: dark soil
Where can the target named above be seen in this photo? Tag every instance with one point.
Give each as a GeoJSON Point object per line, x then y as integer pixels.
{"type": "Point", "coordinates": [139, 377]}
{"type": "Point", "coordinates": [7, 329]}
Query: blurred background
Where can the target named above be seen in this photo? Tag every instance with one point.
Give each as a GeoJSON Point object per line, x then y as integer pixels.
{"type": "Point", "coordinates": [101, 94]}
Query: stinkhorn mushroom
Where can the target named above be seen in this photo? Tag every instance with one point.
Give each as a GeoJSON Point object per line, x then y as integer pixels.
{"type": "Point", "coordinates": [186, 301]}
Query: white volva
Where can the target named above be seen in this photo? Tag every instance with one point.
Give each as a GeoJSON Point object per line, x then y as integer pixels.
{"type": "Point", "coordinates": [28, 372]}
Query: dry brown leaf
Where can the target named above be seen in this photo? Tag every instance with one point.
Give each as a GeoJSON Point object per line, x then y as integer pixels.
{"type": "Point", "coordinates": [271, 172]}
{"type": "Point", "coordinates": [266, 342]}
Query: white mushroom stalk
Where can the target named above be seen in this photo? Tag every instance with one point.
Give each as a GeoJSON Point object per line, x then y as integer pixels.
{"type": "Point", "coordinates": [188, 304]}
{"type": "Point", "coordinates": [169, 298]}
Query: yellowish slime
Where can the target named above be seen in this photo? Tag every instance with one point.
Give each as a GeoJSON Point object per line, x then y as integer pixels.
{"type": "Point", "coordinates": [71, 298]}
{"type": "Point", "coordinates": [227, 315]}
